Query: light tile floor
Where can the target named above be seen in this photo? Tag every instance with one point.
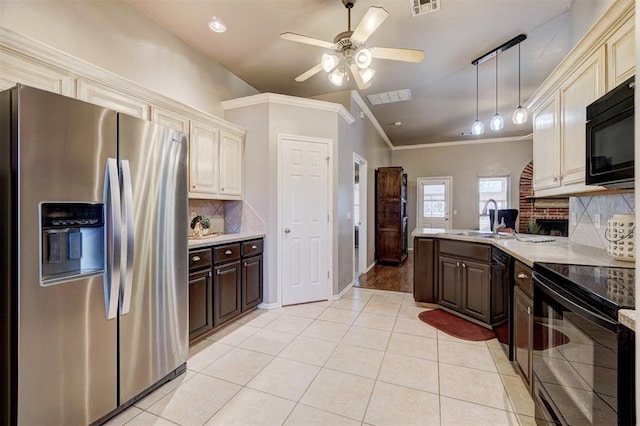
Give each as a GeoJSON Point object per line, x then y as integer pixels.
{"type": "Point", "coordinates": [365, 359]}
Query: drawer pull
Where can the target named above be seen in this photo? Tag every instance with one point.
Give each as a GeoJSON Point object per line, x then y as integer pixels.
{"type": "Point", "coordinates": [457, 264]}
{"type": "Point", "coordinates": [228, 252]}
{"type": "Point", "coordinates": [522, 275]}
{"type": "Point", "coordinates": [253, 247]}
{"type": "Point", "coordinates": [463, 265]}
{"type": "Point", "coordinates": [218, 272]}
{"type": "Point", "coordinates": [195, 259]}
{"type": "Point", "coordinates": [528, 310]}
{"type": "Point", "coordinates": [246, 264]}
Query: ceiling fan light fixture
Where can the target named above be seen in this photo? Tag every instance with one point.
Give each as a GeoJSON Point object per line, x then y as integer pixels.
{"type": "Point", "coordinates": [216, 25]}
{"type": "Point", "coordinates": [336, 77]}
{"type": "Point", "coordinates": [363, 58]}
{"type": "Point", "coordinates": [329, 62]}
{"type": "Point", "coordinates": [367, 74]}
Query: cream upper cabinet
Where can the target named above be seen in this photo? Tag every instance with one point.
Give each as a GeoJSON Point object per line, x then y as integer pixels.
{"type": "Point", "coordinates": [621, 54]}
{"type": "Point", "coordinates": [204, 144]}
{"type": "Point", "coordinates": [170, 119]}
{"type": "Point", "coordinates": [546, 144]}
{"type": "Point", "coordinates": [107, 97]}
{"type": "Point", "coordinates": [231, 149]}
{"type": "Point", "coordinates": [580, 89]}
{"type": "Point", "coordinates": [34, 74]}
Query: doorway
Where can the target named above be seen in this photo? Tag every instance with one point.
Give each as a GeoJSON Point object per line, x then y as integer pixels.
{"type": "Point", "coordinates": [433, 202]}
{"type": "Point", "coordinates": [304, 222]}
{"type": "Point", "coordinates": [359, 215]}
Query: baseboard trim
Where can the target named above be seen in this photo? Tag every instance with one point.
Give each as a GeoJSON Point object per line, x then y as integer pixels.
{"type": "Point", "coordinates": [269, 306]}
{"type": "Point", "coordinates": [370, 267]}
{"type": "Point", "coordinates": [342, 293]}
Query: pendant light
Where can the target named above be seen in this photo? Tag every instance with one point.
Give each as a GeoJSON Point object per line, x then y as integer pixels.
{"type": "Point", "coordinates": [520, 114]}
{"type": "Point", "coordinates": [497, 123]}
{"type": "Point", "coordinates": [477, 128]}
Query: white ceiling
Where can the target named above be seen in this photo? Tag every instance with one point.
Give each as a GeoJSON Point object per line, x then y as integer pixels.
{"type": "Point", "coordinates": [443, 85]}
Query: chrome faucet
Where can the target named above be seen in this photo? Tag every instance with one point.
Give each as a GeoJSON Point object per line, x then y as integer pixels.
{"type": "Point", "coordinates": [495, 214]}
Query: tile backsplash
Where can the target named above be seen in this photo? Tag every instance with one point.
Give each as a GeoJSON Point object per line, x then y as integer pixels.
{"type": "Point", "coordinates": [228, 217]}
{"type": "Point", "coordinates": [583, 216]}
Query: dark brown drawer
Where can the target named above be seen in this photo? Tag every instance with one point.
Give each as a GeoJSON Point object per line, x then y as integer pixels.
{"type": "Point", "coordinates": [226, 252]}
{"type": "Point", "coordinates": [199, 259]}
{"type": "Point", "coordinates": [522, 278]}
{"type": "Point", "coordinates": [253, 247]}
{"type": "Point", "coordinates": [474, 251]}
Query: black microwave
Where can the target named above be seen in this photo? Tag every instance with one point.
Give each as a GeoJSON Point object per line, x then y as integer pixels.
{"type": "Point", "coordinates": [610, 138]}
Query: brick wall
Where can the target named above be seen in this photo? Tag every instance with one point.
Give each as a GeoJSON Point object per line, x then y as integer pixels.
{"type": "Point", "coordinates": [527, 209]}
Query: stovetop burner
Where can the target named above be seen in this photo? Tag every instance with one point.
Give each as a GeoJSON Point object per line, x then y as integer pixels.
{"type": "Point", "coordinates": [613, 286]}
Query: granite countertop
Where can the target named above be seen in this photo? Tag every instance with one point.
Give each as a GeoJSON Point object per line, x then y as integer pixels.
{"type": "Point", "coordinates": [207, 241]}
{"type": "Point", "coordinates": [559, 251]}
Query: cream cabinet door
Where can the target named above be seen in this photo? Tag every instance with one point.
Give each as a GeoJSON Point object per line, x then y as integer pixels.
{"type": "Point", "coordinates": [231, 149]}
{"type": "Point", "coordinates": [621, 54]}
{"type": "Point", "coordinates": [17, 70]}
{"type": "Point", "coordinates": [170, 119]}
{"type": "Point", "coordinates": [546, 144]}
{"type": "Point", "coordinates": [580, 89]}
{"type": "Point", "coordinates": [110, 98]}
{"type": "Point", "coordinates": [203, 159]}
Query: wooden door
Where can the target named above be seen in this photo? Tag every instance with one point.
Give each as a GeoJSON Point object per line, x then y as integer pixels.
{"type": "Point", "coordinates": [304, 218]}
{"type": "Point", "coordinates": [226, 288]}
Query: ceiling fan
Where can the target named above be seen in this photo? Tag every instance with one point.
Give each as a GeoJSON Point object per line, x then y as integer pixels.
{"type": "Point", "coordinates": [351, 52]}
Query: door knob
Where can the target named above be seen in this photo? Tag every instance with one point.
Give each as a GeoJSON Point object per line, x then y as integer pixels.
{"type": "Point", "coordinates": [287, 230]}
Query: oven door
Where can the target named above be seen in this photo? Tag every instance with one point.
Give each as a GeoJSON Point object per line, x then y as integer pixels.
{"type": "Point", "coordinates": [575, 359]}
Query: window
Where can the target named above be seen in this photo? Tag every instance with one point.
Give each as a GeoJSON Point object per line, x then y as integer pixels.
{"type": "Point", "coordinates": [433, 201]}
{"type": "Point", "coordinates": [496, 188]}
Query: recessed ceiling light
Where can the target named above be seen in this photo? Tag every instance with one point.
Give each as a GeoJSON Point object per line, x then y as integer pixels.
{"type": "Point", "coordinates": [397, 123]}
{"type": "Point", "coordinates": [217, 25]}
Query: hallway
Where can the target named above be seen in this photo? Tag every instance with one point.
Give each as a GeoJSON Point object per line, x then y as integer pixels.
{"type": "Point", "coordinates": [392, 278]}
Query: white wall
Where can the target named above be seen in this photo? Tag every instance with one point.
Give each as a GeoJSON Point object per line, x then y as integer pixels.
{"type": "Point", "coordinates": [465, 163]}
{"type": "Point", "coordinates": [118, 38]}
{"type": "Point", "coordinates": [584, 13]}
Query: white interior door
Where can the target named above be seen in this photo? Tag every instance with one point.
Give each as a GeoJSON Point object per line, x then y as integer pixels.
{"type": "Point", "coordinates": [304, 219]}
{"type": "Point", "coordinates": [434, 202]}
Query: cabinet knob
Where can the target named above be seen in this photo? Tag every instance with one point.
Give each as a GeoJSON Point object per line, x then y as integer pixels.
{"type": "Point", "coordinates": [522, 275]}
{"type": "Point", "coordinates": [457, 264]}
{"type": "Point", "coordinates": [287, 230]}
{"type": "Point", "coordinates": [555, 178]}
{"type": "Point", "coordinates": [195, 259]}
{"type": "Point", "coordinates": [463, 265]}
{"type": "Point", "coordinates": [222, 189]}
{"type": "Point", "coordinates": [228, 252]}
{"type": "Point", "coordinates": [253, 247]}
{"type": "Point", "coordinates": [218, 272]}
{"type": "Point", "coordinates": [528, 310]}
{"type": "Point", "coordinates": [193, 186]}
{"type": "Point", "coordinates": [209, 273]}
{"type": "Point", "coordinates": [246, 264]}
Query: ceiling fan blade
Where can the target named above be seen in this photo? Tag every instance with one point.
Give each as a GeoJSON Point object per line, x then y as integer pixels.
{"type": "Point", "coordinates": [407, 55]}
{"type": "Point", "coordinates": [310, 73]}
{"type": "Point", "coordinates": [374, 17]}
{"type": "Point", "coordinates": [307, 40]}
{"type": "Point", "coordinates": [358, 78]}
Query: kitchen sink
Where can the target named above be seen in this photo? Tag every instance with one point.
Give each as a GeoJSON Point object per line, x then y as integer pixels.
{"type": "Point", "coordinates": [498, 236]}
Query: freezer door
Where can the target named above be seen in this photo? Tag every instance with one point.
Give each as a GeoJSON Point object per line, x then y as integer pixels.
{"type": "Point", "coordinates": [154, 305]}
{"type": "Point", "coordinates": [66, 344]}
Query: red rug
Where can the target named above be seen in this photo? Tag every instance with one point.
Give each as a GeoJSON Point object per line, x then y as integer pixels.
{"type": "Point", "coordinates": [455, 326]}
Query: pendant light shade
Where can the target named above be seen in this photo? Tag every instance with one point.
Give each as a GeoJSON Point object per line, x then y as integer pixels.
{"type": "Point", "coordinates": [520, 114]}
{"type": "Point", "coordinates": [477, 128]}
{"type": "Point", "coordinates": [497, 123]}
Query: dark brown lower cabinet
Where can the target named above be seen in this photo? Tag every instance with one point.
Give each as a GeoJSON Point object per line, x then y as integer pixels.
{"type": "Point", "coordinates": [424, 288]}
{"type": "Point", "coordinates": [449, 282]}
{"type": "Point", "coordinates": [251, 282]}
{"type": "Point", "coordinates": [200, 317]}
{"type": "Point", "coordinates": [523, 334]}
{"type": "Point", "coordinates": [476, 290]}
{"type": "Point", "coordinates": [226, 298]}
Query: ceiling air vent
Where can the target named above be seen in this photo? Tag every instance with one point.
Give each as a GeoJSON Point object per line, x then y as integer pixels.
{"type": "Point", "coordinates": [421, 7]}
{"type": "Point", "coordinates": [390, 97]}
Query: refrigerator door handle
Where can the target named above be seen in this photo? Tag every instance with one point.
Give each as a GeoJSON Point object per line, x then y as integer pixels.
{"type": "Point", "coordinates": [114, 237]}
{"type": "Point", "coordinates": [129, 235]}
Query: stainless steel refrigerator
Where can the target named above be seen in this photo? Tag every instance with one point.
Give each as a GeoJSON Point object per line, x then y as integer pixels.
{"type": "Point", "coordinates": [93, 258]}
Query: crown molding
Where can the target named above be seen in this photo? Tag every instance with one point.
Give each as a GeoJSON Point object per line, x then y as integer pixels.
{"type": "Point", "coordinates": [363, 106]}
{"type": "Point", "coordinates": [276, 98]}
{"type": "Point", "coordinates": [466, 142]}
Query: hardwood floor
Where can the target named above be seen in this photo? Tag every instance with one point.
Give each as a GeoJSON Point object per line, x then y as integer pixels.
{"type": "Point", "coordinates": [394, 278]}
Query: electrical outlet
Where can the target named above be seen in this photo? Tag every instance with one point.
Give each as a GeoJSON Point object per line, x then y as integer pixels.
{"type": "Point", "coordinates": [596, 220]}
